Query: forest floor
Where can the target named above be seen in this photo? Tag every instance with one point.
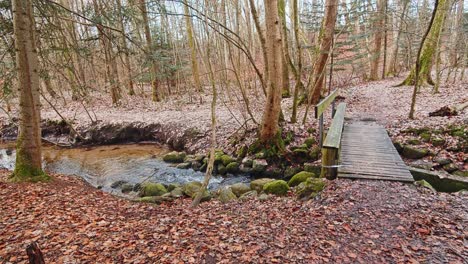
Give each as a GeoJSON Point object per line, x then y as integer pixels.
{"type": "Point", "coordinates": [351, 221]}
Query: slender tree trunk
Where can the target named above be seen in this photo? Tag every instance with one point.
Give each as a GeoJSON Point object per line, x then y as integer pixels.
{"type": "Point", "coordinates": [426, 57]}
{"type": "Point", "coordinates": [28, 144]}
{"type": "Point", "coordinates": [457, 49]}
{"type": "Point", "coordinates": [326, 38]}
{"type": "Point", "coordinates": [193, 51]}
{"type": "Point", "coordinates": [270, 122]}
{"type": "Point", "coordinates": [253, 11]}
{"type": "Point", "coordinates": [392, 69]}
{"type": "Point", "coordinates": [285, 50]}
{"type": "Point", "coordinates": [149, 43]}
{"type": "Point", "coordinates": [378, 27]}
{"type": "Point", "coordinates": [299, 84]}
{"type": "Point", "coordinates": [418, 65]}
{"type": "Point", "coordinates": [123, 43]}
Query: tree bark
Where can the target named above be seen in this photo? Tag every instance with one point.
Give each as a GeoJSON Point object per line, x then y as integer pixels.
{"type": "Point", "coordinates": [392, 64]}
{"type": "Point", "coordinates": [298, 73]}
{"type": "Point", "coordinates": [378, 27]}
{"type": "Point", "coordinates": [429, 44]}
{"type": "Point", "coordinates": [271, 114]}
{"type": "Point", "coordinates": [193, 51]}
{"type": "Point", "coordinates": [326, 37]}
{"type": "Point", "coordinates": [123, 43]}
{"type": "Point", "coordinates": [285, 50]}
{"type": "Point", "coordinates": [28, 144]}
{"type": "Point", "coordinates": [149, 42]}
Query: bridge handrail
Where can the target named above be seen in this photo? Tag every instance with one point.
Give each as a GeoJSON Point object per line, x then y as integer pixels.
{"type": "Point", "coordinates": [332, 144]}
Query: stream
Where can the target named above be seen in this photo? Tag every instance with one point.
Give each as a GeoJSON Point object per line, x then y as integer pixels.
{"type": "Point", "coordinates": [103, 165]}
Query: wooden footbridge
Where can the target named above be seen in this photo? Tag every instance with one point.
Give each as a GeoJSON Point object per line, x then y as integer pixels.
{"type": "Point", "coordinates": [356, 149]}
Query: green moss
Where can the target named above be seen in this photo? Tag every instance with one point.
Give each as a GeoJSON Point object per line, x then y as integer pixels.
{"type": "Point", "coordinates": [221, 169]}
{"type": "Point", "coordinates": [25, 173]}
{"type": "Point", "coordinates": [413, 141]}
{"type": "Point", "coordinates": [424, 184]}
{"type": "Point", "coordinates": [232, 167]}
{"type": "Point", "coordinates": [226, 159]}
{"type": "Point", "coordinates": [437, 142]}
{"type": "Point", "coordinates": [242, 152]}
{"type": "Point", "coordinates": [300, 177]}
{"type": "Point", "coordinates": [271, 149]}
{"type": "Point", "coordinates": [152, 189]}
{"type": "Point", "coordinates": [314, 154]}
{"type": "Point", "coordinates": [258, 184]}
{"type": "Point", "coordinates": [278, 187]}
{"type": "Point", "coordinates": [289, 137]}
{"type": "Point", "coordinates": [174, 157]}
{"type": "Point", "coordinates": [425, 137]}
{"type": "Point", "coordinates": [309, 142]}
{"type": "Point", "coordinates": [310, 188]}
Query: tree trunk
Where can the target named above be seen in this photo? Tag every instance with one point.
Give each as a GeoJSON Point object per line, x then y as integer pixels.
{"type": "Point", "coordinates": [456, 53]}
{"type": "Point", "coordinates": [123, 42]}
{"type": "Point", "coordinates": [285, 50]}
{"type": "Point", "coordinates": [253, 11]}
{"type": "Point", "coordinates": [426, 57]}
{"type": "Point", "coordinates": [271, 114]}
{"type": "Point", "coordinates": [28, 144]}
{"type": "Point", "coordinates": [193, 51]}
{"type": "Point", "coordinates": [299, 84]}
{"type": "Point", "coordinates": [326, 38]}
{"type": "Point", "coordinates": [392, 69]}
{"type": "Point", "coordinates": [378, 27]}
{"type": "Point", "coordinates": [149, 43]}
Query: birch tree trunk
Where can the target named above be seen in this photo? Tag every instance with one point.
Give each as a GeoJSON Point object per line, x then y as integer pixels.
{"type": "Point", "coordinates": [28, 144]}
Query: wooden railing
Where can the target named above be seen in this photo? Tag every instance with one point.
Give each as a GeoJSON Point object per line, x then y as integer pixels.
{"type": "Point", "coordinates": [331, 144]}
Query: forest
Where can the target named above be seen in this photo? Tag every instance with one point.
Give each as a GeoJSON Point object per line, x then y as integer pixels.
{"type": "Point", "coordinates": [233, 131]}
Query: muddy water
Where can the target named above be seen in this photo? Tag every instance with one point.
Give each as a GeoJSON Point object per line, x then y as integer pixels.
{"type": "Point", "coordinates": [103, 165]}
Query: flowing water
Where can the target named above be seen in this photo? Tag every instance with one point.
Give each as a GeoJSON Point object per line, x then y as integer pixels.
{"type": "Point", "coordinates": [103, 165]}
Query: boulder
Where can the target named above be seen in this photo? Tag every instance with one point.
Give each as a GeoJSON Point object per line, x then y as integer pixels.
{"type": "Point", "coordinates": [442, 182]}
{"type": "Point", "coordinates": [246, 170]}
{"type": "Point", "coordinates": [314, 154]}
{"type": "Point", "coordinates": [117, 184]}
{"type": "Point", "coordinates": [424, 184]}
{"type": "Point", "coordinates": [291, 171]}
{"type": "Point", "coordinates": [437, 142]}
{"type": "Point", "coordinates": [451, 167]}
{"type": "Point", "coordinates": [177, 192]}
{"type": "Point", "coordinates": [226, 159]}
{"type": "Point", "coordinates": [460, 173]}
{"type": "Point", "coordinates": [413, 141]}
{"type": "Point", "coordinates": [174, 157]}
{"type": "Point", "coordinates": [172, 186]}
{"type": "Point", "coordinates": [221, 169]}
{"type": "Point", "coordinates": [421, 164]}
{"type": "Point", "coordinates": [196, 165]}
{"type": "Point", "coordinates": [300, 177]}
{"type": "Point", "coordinates": [126, 188]}
{"type": "Point", "coordinates": [310, 188]}
{"type": "Point", "coordinates": [226, 195]}
{"type": "Point", "coordinates": [184, 165]}
{"type": "Point", "coordinates": [314, 168]}
{"type": "Point", "coordinates": [273, 172]}
{"type": "Point", "coordinates": [398, 146]}
{"type": "Point", "coordinates": [309, 142]}
{"type": "Point", "coordinates": [152, 189]}
{"type": "Point", "coordinates": [413, 153]}
{"type": "Point", "coordinates": [258, 184]}
{"type": "Point", "coordinates": [425, 137]}
{"type": "Point", "coordinates": [247, 162]}
{"type": "Point", "coordinates": [263, 197]}
{"type": "Point", "coordinates": [278, 187]}
{"type": "Point", "coordinates": [232, 167]}
{"type": "Point", "coordinates": [259, 165]}
{"type": "Point", "coordinates": [191, 188]}
{"type": "Point", "coordinates": [248, 195]}
{"type": "Point", "coordinates": [240, 188]}
{"type": "Point", "coordinates": [155, 199]}
{"type": "Point", "coordinates": [443, 161]}
{"type": "Point", "coordinates": [242, 152]}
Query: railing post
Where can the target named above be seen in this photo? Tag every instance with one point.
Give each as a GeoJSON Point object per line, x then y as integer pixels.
{"type": "Point", "coordinates": [321, 130]}
{"type": "Point", "coordinates": [329, 163]}
{"type": "Point", "coordinates": [333, 109]}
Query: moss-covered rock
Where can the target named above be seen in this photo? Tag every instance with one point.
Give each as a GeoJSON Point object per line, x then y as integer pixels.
{"type": "Point", "coordinates": [300, 177]}
{"type": "Point", "coordinates": [310, 188]}
{"type": "Point", "coordinates": [152, 189]}
{"type": "Point", "coordinates": [184, 165]}
{"type": "Point", "coordinates": [451, 167]}
{"type": "Point", "coordinates": [314, 168]}
{"type": "Point", "coordinates": [247, 162]}
{"type": "Point", "coordinates": [443, 161]}
{"type": "Point", "coordinates": [442, 182]}
{"type": "Point", "coordinates": [233, 167]}
{"type": "Point", "coordinates": [240, 188]}
{"type": "Point", "coordinates": [263, 197]}
{"type": "Point", "coordinates": [258, 184]}
{"type": "Point", "coordinates": [309, 142]}
{"type": "Point", "coordinates": [177, 192]}
{"type": "Point", "coordinates": [221, 169]}
{"type": "Point", "coordinates": [172, 186]}
{"type": "Point", "coordinates": [117, 184]}
{"type": "Point", "coordinates": [155, 199]}
{"type": "Point", "coordinates": [314, 154]}
{"type": "Point", "coordinates": [413, 141]}
{"type": "Point", "coordinates": [425, 137]}
{"type": "Point", "coordinates": [398, 146]}
{"type": "Point", "coordinates": [241, 152]}
{"type": "Point", "coordinates": [126, 188]}
{"type": "Point", "coordinates": [278, 187]}
{"type": "Point", "coordinates": [422, 164]}
{"type": "Point", "coordinates": [291, 171]}
{"type": "Point", "coordinates": [248, 195]}
{"type": "Point", "coordinates": [226, 195]}
{"type": "Point", "coordinates": [460, 173]}
{"type": "Point", "coordinates": [437, 142]}
{"type": "Point", "coordinates": [191, 188]}
{"type": "Point", "coordinates": [226, 159]}
{"type": "Point", "coordinates": [424, 184]}
{"type": "Point", "coordinates": [413, 153]}
{"type": "Point", "coordinates": [174, 157]}
{"type": "Point", "coordinates": [259, 165]}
